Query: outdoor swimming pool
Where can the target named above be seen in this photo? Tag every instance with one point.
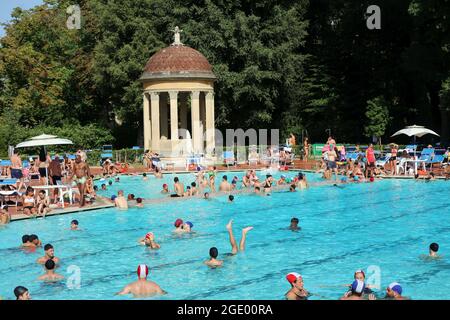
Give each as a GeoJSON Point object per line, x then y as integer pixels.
{"type": "Point", "coordinates": [387, 224]}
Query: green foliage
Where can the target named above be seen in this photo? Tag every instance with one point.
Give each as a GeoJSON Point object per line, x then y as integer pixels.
{"type": "Point", "coordinates": [279, 63]}
{"type": "Point", "coordinates": [377, 115]}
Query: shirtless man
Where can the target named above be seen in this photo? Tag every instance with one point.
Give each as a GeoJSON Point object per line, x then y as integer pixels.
{"type": "Point", "coordinates": [149, 241]}
{"type": "Point", "coordinates": [332, 166]}
{"type": "Point", "coordinates": [178, 187]}
{"type": "Point", "coordinates": [194, 190]}
{"type": "Point", "coordinates": [234, 247]}
{"type": "Point", "coordinates": [5, 217]}
{"type": "Point", "coordinates": [82, 172]}
{"type": "Point", "coordinates": [246, 179]}
{"type": "Point", "coordinates": [16, 169]}
{"type": "Point", "coordinates": [142, 287]}
{"type": "Point", "coordinates": [50, 274]}
{"type": "Point", "coordinates": [297, 292]}
{"type": "Point", "coordinates": [224, 185]}
{"type": "Point", "coordinates": [213, 262]}
{"type": "Point", "coordinates": [49, 255]}
{"type": "Point", "coordinates": [31, 241]}
{"type": "Point", "coordinates": [120, 202]}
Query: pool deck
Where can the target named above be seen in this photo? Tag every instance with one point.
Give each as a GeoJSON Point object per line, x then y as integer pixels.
{"type": "Point", "coordinates": [100, 203]}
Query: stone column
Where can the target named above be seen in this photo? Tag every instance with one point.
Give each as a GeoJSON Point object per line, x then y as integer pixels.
{"type": "Point", "coordinates": [210, 134]}
{"type": "Point", "coordinates": [164, 115]}
{"type": "Point", "coordinates": [147, 122]}
{"type": "Point", "coordinates": [183, 111]}
{"type": "Point", "coordinates": [155, 135]}
{"type": "Point", "coordinates": [195, 114]}
{"type": "Point", "coordinates": [173, 115]}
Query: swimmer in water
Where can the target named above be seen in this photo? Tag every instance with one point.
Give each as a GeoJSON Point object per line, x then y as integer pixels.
{"type": "Point", "coordinates": [120, 202]}
{"type": "Point", "coordinates": [149, 241]}
{"type": "Point", "coordinates": [356, 292]}
{"type": "Point", "coordinates": [50, 274]}
{"type": "Point", "coordinates": [297, 291]}
{"type": "Point", "coordinates": [74, 225]}
{"type": "Point", "coordinates": [30, 242]}
{"type": "Point", "coordinates": [165, 188]}
{"type": "Point", "coordinates": [294, 225]}
{"type": "Point", "coordinates": [142, 287]}
{"type": "Point", "coordinates": [434, 248]}
{"type": "Point", "coordinates": [361, 276]}
{"type": "Point", "coordinates": [206, 195]}
{"type": "Point", "coordinates": [139, 203]}
{"type": "Point", "coordinates": [230, 198]}
{"type": "Point", "coordinates": [178, 226]}
{"type": "Point", "coordinates": [187, 226]}
{"type": "Point", "coordinates": [234, 247]}
{"type": "Point", "coordinates": [213, 262]}
{"type": "Point", "coordinates": [22, 293]}
{"type": "Point", "coordinates": [144, 176]}
{"type": "Point", "coordinates": [49, 255]}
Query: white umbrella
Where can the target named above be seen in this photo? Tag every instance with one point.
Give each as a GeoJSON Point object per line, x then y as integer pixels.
{"type": "Point", "coordinates": [42, 141]}
{"type": "Point", "coordinates": [415, 131]}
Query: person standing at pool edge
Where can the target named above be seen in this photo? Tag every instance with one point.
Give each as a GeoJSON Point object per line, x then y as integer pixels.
{"type": "Point", "coordinates": [82, 172]}
{"type": "Point", "coordinates": [142, 287]}
{"type": "Point", "coordinates": [370, 156]}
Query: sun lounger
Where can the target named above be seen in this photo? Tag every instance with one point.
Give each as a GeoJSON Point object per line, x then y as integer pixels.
{"type": "Point", "coordinates": [383, 161]}
{"type": "Point", "coordinates": [228, 158]}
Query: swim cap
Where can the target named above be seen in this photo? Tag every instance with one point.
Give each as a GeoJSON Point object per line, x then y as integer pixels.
{"type": "Point", "coordinates": [178, 223]}
{"type": "Point", "coordinates": [148, 235]}
{"type": "Point", "coordinates": [360, 271]}
{"type": "Point", "coordinates": [395, 286]}
{"type": "Point", "coordinates": [372, 179]}
{"type": "Point", "coordinates": [292, 277]}
{"type": "Point", "coordinates": [113, 197]}
{"type": "Point", "coordinates": [283, 176]}
{"type": "Point", "coordinates": [358, 286]}
{"type": "Point", "coordinates": [164, 185]}
{"type": "Point", "coordinates": [142, 271]}
{"type": "Point", "coordinates": [189, 224]}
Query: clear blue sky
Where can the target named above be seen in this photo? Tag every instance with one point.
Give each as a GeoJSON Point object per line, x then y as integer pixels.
{"type": "Point", "coordinates": [6, 7]}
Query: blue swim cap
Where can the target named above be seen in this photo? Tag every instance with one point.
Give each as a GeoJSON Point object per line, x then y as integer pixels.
{"type": "Point", "coordinates": [358, 286]}
{"type": "Point", "coordinates": [189, 224]}
{"type": "Point", "coordinates": [395, 286]}
{"type": "Point", "coordinates": [356, 177]}
{"type": "Point", "coordinates": [113, 197]}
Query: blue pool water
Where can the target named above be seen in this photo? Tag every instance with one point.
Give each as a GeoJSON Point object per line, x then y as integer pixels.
{"type": "Point", "coordinates": [387, 224]}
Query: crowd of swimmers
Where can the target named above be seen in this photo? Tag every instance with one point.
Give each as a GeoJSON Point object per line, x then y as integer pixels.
{"type": "Point", "coordinates": [357, 290]}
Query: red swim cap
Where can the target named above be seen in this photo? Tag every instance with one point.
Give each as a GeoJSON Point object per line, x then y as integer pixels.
{"type": "Point", "coordinates": [178, 223]}
{"type": "Point", "coordinates": [372, 179]}
{"type": "Point", "coordinates": [164, 185]}
{"type": "Point", "coordinates": [292, 277]}
{"type": "Point", "coordinates": [142, 271]}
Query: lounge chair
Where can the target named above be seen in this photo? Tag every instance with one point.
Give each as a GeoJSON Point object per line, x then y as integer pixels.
{"type": "Point", "coordinates": [228, 158]}
{"type": "Point", "coordinates": [400, 166]}
{"type": "Point", "coordinates": [253, 156]}
{"type": "Point", "coordinates": [383, 161]}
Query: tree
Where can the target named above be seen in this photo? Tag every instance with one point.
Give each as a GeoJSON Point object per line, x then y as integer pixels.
{"type": "Point", "coordinates": [377, 114]}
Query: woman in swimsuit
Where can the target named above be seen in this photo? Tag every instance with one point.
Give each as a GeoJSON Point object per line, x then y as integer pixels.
{"type": "Point", "coordinates": [28, 203]}
{"type": "Point", "coordinates": [393, 159]}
